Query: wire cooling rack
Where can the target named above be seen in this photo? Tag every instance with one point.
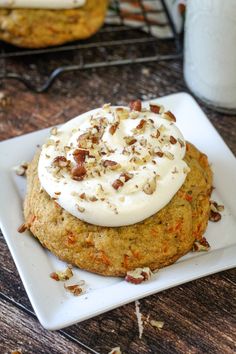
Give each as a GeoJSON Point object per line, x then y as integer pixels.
{"type": "Point", "coordinates": [114, 45]}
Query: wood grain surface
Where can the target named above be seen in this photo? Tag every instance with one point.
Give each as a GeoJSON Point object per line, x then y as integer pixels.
{"type": "Point", "coordinates": [199, 317]}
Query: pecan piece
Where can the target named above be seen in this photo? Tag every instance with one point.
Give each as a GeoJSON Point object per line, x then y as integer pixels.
{"type": "Point", "coordinates": [169, 116]}
{"type": "Point", "coordinates": [150, 187]}
{"type": "Point", "coordinates": [62, 275]}
{"type": "Point", "coordinates": [173, 140]}
{"type": "Point", "coordinates": [159, 153]}
{"type": "Point", "coordinates": [155, 108]}
{"type": "Point", "coordinates": [76, 290]}
{"type": "Point", "coordinates": [115, 350]}
{"type": "Point", "coordinates": [117, 184]}
{"type": "Point", "coordinates": [122, 113]}
{"type": "Point", "coordinates": [127, 176]}
{"type": "Point", "coordinates": [21, 169]}
{"type": "Point", "coordinates": [201, 245]}
{"type": "Point", "coordinates": [78, 172]}
{"type": "Point", "coordinates": [60, 161]}
{"type": "Point", "coordinates": [111, 164]}
{"type": "Point", "coordinates": [80, 155]}
{"type": "Point", "coordinates": [82, 140]}
{"type": "Point", "coordinates": [214, 216]}
{"type": "Point", "coordinates": [113, 128]}
{"type": "Point", "coordinates": [130, 140]}
{"type": "Point", "coordinates": [23, 227]}
{"type": "Point", "coordinates": [138, 275]}
{"type": "Point", "coordinates": [136, 105]}
{"type": "Point", "coordinates": [141, 124]}
{"type": "Point", "coordinates": [157, 324]}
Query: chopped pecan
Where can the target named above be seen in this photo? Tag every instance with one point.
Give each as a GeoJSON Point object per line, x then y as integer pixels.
{"type": "Point", "coordinates": [157, 324]}
{"type": "Point", "coordinates": [54, 131]}
{"type": "Point", "coordinates": [21, 169]}
{"type": "Point", "coordinates": [130, 140]}
{"type": "Point", "coordinates": [141, 124]}
{"type": "Point", "coordinates": [214, 216]}
{"type": "Point", "coordinates": [111, 164]}
{"type": "Point", "coordinates": [23, 227]}
{"type": "Point", "coordinates": [60, 161]}
{"type": "Point", "coordinates": [138, 275]}
{"type": "Point", "coordinates": [155, 108]}
{"type": "Point", "coordinates": [127, 176]}
{"type": "Point", "coordinates": [136, 105]}
{"type": "Point", "coordinates": [62, 275]}
{"type": "Point", "coordinates": [78, 172]}
{"type": "Point", "coordinates": [159, 153]}
{"type": "Point", "coordinates": [117, 184]}
{"type": "Point", "coordinates": [115, 350]}
{"type": "Point", "coordinates": [82, 140]}
{"type": "Point", "coordinates": [169, 155]}
{"type": "Point", "coordinates": [181, 143]}
{"type": "Point", "coordinates": [157, 134]}
{"type": "Point", "coordinates": [76, 289]}
{"type": "Point", "coordinates": [80, 208]}
{"type": "Point", "coordinates": [122, 113]}
{"type": "Point", "coordinates": [169, 116]}
{"type": "Point", "coordinates": [173, 140]}
{"type": "Point", "coordinates": [80, 155]}
{"type": "Point", "coordinates": [216, 207]}
{"type": "Point", "coordinates": [150, 187]}
{"type": "Point", "coordinates": [113, 128]}
{"type": "Point", "coordinates": [201, 245]}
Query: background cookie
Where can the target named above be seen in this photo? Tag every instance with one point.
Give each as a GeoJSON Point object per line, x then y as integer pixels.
{"type": "Point", "coordinates": [36, 28]}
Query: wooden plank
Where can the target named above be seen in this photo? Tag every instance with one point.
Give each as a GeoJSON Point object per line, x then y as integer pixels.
{"type": "Point", "coordinates": [22, 332]}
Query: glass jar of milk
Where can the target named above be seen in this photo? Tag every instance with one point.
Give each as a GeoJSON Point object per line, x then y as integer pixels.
{"type": "Point", "coordinates": [210, 52]}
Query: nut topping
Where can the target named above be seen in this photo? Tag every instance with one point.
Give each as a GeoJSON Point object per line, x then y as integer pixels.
{"type": "Point", "coordinates": [127, 176]}
{"type": "Point", "coordinates": [62, 275]}
{"type": "Point", "coordinates": [150, 187]}
{"type": "Point", "coordinates": [214, 216]}
{"type": "Point", "coordinates": [136, 105]}
{"type": "Point", "coordinates": [80, 155]}
{"type": "Point", "coordinates": [173, 140]}
{"type": "Point", "coordinates": [76, 290]}
{"type": "Point", "coordinates": [60, 161]}
{"type": "Point", "coordinates": [111, 164]}
{"type": "Point", "coordinates": [138, 275]}
{"type": "Point", "coordinates": [23, 227]}
{"type": "Point", "coordinates": [130, 140]}
{"type": "Point", "coordinates": [113, 128]}
{"type": "Point", "coordinates": [78, 172]}
{"type": "Point", "coordinates": [201, 245]}
{"type": "Point", "coordinates": [155, 108]}
{"type": "Point", "coordinates": [169, 116]}
{"type": "Point", "coordinates": [117, 184]}
{"type": "Point", "coordinates": [141, 124]}
{"type": "Point", "coordinates": [21, 169]}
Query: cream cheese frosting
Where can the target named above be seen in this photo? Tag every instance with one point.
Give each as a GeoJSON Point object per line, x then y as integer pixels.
{"type": "Point", "coordinates": [114, 166]}
{"type": "Point", "coordinates": [42, 4]}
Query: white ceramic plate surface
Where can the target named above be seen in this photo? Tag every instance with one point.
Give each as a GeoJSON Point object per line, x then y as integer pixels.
{"type": "Point", "coordinates": [55, 307]}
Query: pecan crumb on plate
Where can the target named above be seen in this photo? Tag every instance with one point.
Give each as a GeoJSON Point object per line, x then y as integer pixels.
{"type": "Point", "coordinates": [62, 275]}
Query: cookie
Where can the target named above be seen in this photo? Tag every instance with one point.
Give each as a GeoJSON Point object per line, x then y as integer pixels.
{"type": "Point", "coordinates": [155, 242]}
{"type": "Point", "coordinates": [39, 28]}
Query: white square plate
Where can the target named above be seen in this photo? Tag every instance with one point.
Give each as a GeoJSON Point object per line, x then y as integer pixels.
{"type": "Point", "coordinates": [55, 307]}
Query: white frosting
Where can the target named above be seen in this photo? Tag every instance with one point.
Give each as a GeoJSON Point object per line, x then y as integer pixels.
{"type": "Point", "coordinates": [42, 4]}
{"type": "Point", "coordinates": [154, 179]}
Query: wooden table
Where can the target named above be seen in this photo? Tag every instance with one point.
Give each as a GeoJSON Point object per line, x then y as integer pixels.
{"type": "Point", "coordinates": [199, 317]}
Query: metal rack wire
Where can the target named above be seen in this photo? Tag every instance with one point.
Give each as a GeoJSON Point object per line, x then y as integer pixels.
{"type": "Point", "coordinates": [113, 45]}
